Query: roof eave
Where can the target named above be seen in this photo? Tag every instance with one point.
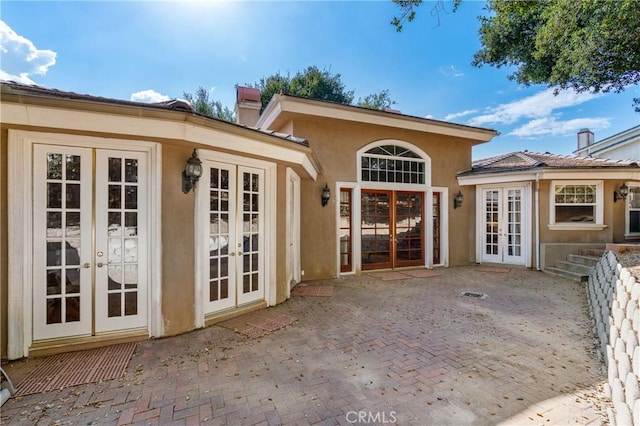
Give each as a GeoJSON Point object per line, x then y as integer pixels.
{"type": "Point", "coordinates": [280, 104]}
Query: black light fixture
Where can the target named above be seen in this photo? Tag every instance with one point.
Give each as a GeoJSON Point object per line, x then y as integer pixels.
{"type": "Point", "coordinates": [326, 195]}
{"type": "Point", "coordinates": [191, 173]}
{"type": "Point", "coordinates": [621, 194]}
{"type": "Point", "coordinates": [457, 201]}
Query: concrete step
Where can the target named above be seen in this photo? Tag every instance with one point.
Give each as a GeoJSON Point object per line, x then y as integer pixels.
{"type": "Point", "coordinates": [575, 276]}
{"type": "Point", "coordinates": [592, 252]}
{"type": "Point", "coordinates": [574, 267]}
{"type": "Point", "coordinates": [583, 260]}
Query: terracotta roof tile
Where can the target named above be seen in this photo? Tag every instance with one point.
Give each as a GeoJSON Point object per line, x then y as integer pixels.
{"type": "Point", "coordinates": [525, 160]}
{"type": "Point", "coordinates": [172, 104]}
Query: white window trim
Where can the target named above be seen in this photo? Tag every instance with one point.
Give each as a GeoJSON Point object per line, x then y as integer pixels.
{"type": "Point", "coordinates": [444, 227]}
{"type": "Point", "coordinates": [20, 221]}
{"type": "Point", "coordinates": [527, 235]}
{"type": "Point", "coordinates": [394, 185]}
{"type": "Point", "coordinates": [627, 211]}
{"type": "Point", "coordinates": [293, 229]}
{"type": "Point", "coordinates": [599, 208]}
{"type": "Point", "coordinates": [353, 187]}
{"type": "Point", "coordinates": [425, 187]}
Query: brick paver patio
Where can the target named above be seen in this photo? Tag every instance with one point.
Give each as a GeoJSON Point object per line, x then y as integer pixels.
{"type": "Point", "coordinates": [410, 351]}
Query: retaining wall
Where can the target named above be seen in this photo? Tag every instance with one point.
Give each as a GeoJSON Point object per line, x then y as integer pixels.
{"type": "Point", "coordinates": [614, 296]}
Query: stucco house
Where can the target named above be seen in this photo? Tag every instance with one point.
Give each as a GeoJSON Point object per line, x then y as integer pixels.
{"type": "Point", "coordinates": [534, 209]}
{"type": "Point", "coordinates": [125, 221]}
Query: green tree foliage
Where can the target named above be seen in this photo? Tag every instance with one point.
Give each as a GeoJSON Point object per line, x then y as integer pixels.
{"type": "Point", "coordinates": [381, 100]}
{"type": "Point", "coordinates": [586, 45]}
{"type": "Point", "coordinates": [203, 105]}
{"type": "Point", "coordinates": [310, 83]}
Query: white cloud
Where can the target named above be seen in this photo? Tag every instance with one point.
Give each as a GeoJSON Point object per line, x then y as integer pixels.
{"type": "Point", "coordinates": [459, 114]}
{"type": "Point", "coordinates": [451, 71]}
{"type": "Point", "coordinates": [540, 105]}
{"type": "Point", "coordinates": [20, 59]}
{"type": "Point", "coordinates": [148, 96]}
{"type": "Point", "coordinates": [549, 126]}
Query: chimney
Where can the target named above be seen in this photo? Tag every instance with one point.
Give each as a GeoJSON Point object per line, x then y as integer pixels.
{"type": "Point", "coordinates": [585, 139]}
{"type": "Point", "coordinates": [247, 105]}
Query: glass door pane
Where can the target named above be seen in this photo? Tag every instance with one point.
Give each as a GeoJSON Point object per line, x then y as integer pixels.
{"type": "Point", "coordinates": [220, 205]}
{"type": "Point", "coordinates": [61, 242]}
{"type": "Point", "coordinates": [121, 232]}
{"type": "Point", "coordinates": [250, 229]}
{"type": "Point", "coordinates": [514, 222]}
{"type": "Point", "coordinates": [409, 250]}
{"type": "Point", "coordinates": [436, 228]}
{"type": "Point", "coordinates": [491, 240]}
{"type": "Point", "coordinates": [345, 230]}
{"type": "Point", "coordinates": [375, 229]}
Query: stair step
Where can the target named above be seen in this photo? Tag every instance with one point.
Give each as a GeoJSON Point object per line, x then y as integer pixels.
{"type": "Point", "coordinates": [574, 267]}
{"type": "Point", "coordinates": [575, 276]}
{"type": "Point", "coordinates": [592, 252]}
{"type": "Point", "coordinates": [583, 260]}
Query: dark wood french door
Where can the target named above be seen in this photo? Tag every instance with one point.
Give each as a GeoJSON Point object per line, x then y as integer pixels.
{"type": "Point", "coordinates": [392, 229]}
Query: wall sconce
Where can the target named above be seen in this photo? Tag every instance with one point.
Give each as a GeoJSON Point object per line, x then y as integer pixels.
{"type": "Point", "coordinates": [191, 173]}
{"type": "Point", "coordinates": [326, 195]}
{"type": "Point", "coordinates": [457, 201]}
{"type": "Point", "coordinates": [622, 195]}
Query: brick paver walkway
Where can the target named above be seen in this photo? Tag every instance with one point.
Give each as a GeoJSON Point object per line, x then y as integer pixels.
{"type": "Point", "coordinates": [411, 351]}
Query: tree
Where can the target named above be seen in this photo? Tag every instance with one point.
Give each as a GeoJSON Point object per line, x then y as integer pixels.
{"type": "Point", "coordinates": [586, 45]}
{"type": "Point", "coordinates": [203, 105]}
{"type": "Point", "coordinates": [381, 100]}
{"type": "Point", "coordinates": [311, 83]}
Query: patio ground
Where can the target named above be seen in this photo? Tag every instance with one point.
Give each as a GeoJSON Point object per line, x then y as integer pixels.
{"type": "Point", "coordinates": [410, 351]}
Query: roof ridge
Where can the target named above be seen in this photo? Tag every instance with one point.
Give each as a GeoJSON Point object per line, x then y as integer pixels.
{"type": "Point", "coordinates": [527, 158]}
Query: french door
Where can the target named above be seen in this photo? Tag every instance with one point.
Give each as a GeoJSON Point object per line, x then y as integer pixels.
{"type": "Point", "coordinates": [392, 229]}
{"type": "Point", "coordinates": [89, 241]}
{"type": "Point", "coordinates": [504, 238]}
{"type": "Point", "coordinates": [234, 268]}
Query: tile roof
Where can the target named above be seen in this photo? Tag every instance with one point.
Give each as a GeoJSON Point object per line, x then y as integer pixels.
{"type": "Point", "coordinates": [525, 160]}
{"type": "Point", "coordinates": [179, 105]}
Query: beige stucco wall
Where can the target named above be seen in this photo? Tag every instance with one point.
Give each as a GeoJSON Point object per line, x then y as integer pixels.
{"type": "Point", "coordinates": [557, 244]}
{"type": "Point", "coordinates": [178, 244]}
{"type": "Point", "coordinates": [3, 242]}
{"type": "Point", "coordinates": [177, 233]}
{"type": "Point", "coordinates": [336, 144]}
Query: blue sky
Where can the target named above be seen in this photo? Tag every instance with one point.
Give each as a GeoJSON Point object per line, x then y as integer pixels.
{"type": "Point", "coordinates": [154, 50]}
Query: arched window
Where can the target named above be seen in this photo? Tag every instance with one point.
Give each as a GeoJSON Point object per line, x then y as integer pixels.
{"type": "Point", "coordinates": [393, 163]}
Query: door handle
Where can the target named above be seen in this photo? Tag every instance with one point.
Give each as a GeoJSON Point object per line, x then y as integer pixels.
{"type": "Point", "coordinates": [100, 264]}
{"type": "Point", "coordinates": [232, 254]}
{"type": "Point", "coordinates": [86, 265]}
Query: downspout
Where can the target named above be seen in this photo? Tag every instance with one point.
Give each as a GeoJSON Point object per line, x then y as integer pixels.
{"type": "Point", "coordinates": [537, 216]}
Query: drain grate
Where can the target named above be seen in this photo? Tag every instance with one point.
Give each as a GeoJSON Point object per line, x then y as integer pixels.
{"type": "Point", "coordinates": [474, 294]}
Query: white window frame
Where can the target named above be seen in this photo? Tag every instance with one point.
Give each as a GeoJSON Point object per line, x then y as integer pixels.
{"type": "Point", "coordinates": [399, 186]}
{"type": "Point", "coordinates": [627, 212]}
{"type": "Point", "coordinates": [353, 187]}
{"type": "Point", "coordinates": [20, 218]}
{"type": "Point", "coordinates": [360, 185]}
{"type": "Point", "coordinates": [598, 223]}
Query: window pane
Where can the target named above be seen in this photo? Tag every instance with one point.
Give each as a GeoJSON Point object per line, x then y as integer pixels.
{"type": "Point", "coordinates": [572, 214]}
{"type": "Point", "coordinates": [634, 221]}
{"type": "Point", "coordinates": [634, 197]}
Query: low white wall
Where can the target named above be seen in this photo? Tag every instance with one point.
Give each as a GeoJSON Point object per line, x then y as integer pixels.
{"type": "Point", "coordinates": [614, 296]}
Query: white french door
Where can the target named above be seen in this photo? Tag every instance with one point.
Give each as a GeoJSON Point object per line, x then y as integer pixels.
{"type": "Point", "coordinates": [504, 237]}
{"type": "Point", "coordinates": [89, 241]}
{"type": "Point", "coordinates": [233, 271]}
